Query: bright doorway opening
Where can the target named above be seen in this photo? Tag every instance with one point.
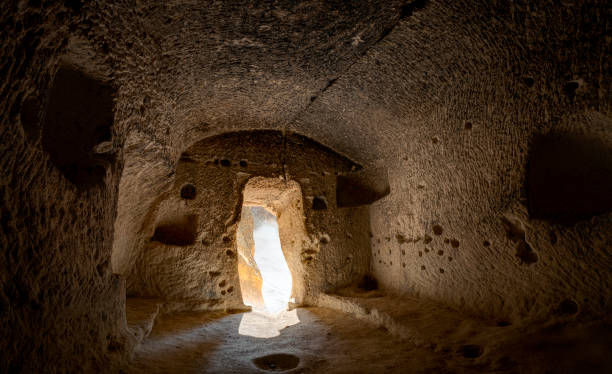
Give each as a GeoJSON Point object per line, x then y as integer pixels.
{"type": "Point", "coordinates": [270, 260]}
{"type": "Point", "coordinates": [268, 245]}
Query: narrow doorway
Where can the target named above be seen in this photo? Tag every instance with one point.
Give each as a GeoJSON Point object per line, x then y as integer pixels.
{"type": "Point", "coordinates": [270, 260]}
{"type": "Point", "coordinates": [267, 239]}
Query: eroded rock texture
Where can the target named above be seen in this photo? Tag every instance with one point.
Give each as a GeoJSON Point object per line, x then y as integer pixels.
{"type": "Point", "coordinates": [129, 130]}
{"type": "Point", "coordinates": [188, 253]}
{"type": "Point", "coordinates": [248, 272]}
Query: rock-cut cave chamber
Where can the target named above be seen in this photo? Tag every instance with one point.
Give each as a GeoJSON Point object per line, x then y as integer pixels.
{"type": "Point", "coordinates": [435, 178]}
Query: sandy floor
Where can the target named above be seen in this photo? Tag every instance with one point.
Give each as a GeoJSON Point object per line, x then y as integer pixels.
{"type": "Point", "coordinates": [325, 341]}
{"type": "Point", "coordinates": [331, 341]}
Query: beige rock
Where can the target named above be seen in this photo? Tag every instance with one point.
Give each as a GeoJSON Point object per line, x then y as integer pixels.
{"type": "Point", "coordinates": [471, 142]}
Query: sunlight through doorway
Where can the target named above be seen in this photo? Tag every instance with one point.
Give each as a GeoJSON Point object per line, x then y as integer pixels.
{"type": "Point", "coordinates": [265, 277]}
{"type": "Point", "coordinates": [276, 277]}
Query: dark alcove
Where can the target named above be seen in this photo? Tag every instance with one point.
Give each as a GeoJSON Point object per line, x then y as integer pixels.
{"type": "Point", "coordinates": [569, 178]}
{"type": "Point", "coordinates": [77, 129]}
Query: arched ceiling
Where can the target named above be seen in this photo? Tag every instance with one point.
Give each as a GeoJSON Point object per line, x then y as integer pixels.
{"type": "Point", "coordinates": [195, 69]}
{"type": "Point", "coordinates": [356, 76]}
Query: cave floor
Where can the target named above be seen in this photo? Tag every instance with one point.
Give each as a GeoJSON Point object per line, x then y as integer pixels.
{"type": "Point", "coordinates": [325, 341]}
{"type": "Point", "coordinates": [332, 340]}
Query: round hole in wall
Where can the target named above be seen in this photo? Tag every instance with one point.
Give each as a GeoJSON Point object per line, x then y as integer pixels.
{"type": "Point", "coordinates": [470, 351]}
{"type": "Point", "coordinates": [225, 162]}
{"type": "Point", "coordinates": [243, 163]}
{"type": "Point", "coordinates": [570, 88]}
{"type": "Point", "coordinates": [567, 307]}
{"type": "Point", "coordinates": [188, 191]}
{"type": "Point", "coordinates": [277, 362]}
{"type": "Point", "coordinates": [319, 203]}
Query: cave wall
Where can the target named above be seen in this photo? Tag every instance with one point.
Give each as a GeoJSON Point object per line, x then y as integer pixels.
{"type": "Point", "coordinates": [447, 97]}
{"type": "Point", "coordinates": [193, 70]}
{"type": "Point", "coordinates": [249, 275]}
{"type": "Point", "coordinates": [61, 308]}
{"type": "Point", "coordinates": [192, 262]}
{"type": "Point", "coordinates": [459, 102]}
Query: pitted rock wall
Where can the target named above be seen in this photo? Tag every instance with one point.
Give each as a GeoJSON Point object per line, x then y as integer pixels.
{"type": "Point", "coordinates": [453, 102]}
{"type": "Point", "coordinates": [203, 272]}
{"type": "Point", "coordinates": [61, 308]}
{"type": "Point", "coordinates": [452, 98]}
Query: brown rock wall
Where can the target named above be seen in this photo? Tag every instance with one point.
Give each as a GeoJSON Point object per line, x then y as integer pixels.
{"type": "Point", "coordinates": [333, 252]}
{"type": "Point", "coordinates": [461, 102]}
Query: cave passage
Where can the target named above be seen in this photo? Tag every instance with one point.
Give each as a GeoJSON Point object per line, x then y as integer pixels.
{"type": "Point", "coordinates": [242, 187]}
{"type": "Point", "coordinates": [276, 286]}
{"type": "Point", "coordinates": [266, 283]}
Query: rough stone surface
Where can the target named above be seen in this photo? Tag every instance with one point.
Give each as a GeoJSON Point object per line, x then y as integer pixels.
{"type": "Point", "coordinates": [435, 340]}
{"type": "Point", "coordinates": [186, 247]}
{"type": "Point", "coordinates": [492, 118]}
{"type": "Point", "coordinates": [361, 187]}
{"type": "Point", "coordinates": [248, 272]}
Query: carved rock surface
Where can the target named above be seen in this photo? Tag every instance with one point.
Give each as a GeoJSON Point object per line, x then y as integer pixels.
{"type": "Point", "coordinates": [492, 119]}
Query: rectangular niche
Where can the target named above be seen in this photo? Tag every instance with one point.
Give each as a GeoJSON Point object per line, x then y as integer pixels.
{"type": "Point", "coordinates": [77, 129]}
{"type": "Point", "coordinates": [180, 230]}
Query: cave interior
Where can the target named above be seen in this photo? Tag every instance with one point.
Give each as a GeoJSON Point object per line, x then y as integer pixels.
{"type": "Point", "coordinates": [437, 176]}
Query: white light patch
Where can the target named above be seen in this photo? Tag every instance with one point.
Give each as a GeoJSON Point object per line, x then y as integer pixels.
{"type": "Point", "coordinates": [262, 325]}
{"type": "Point", "coordinates": [276, 281]}
{"type": "Point", "coordinates": [275, 274]}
